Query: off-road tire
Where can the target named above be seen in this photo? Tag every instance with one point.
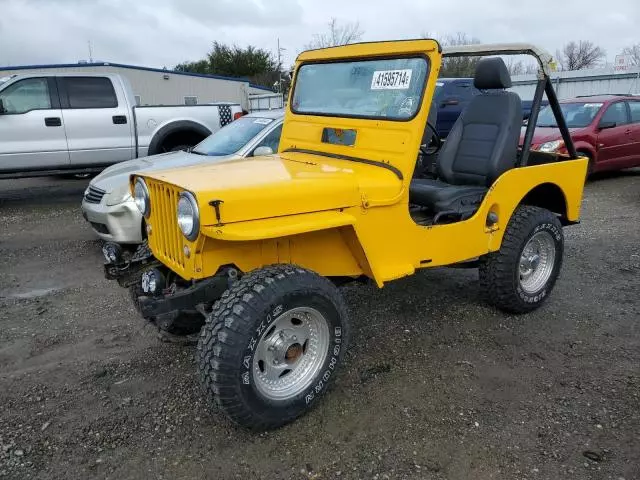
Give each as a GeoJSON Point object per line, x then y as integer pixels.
{"type": "Point", "coordinates": [499, 271]}
{"type": "Point", "coordinates": [227, 341]}
{"type": "Point", "coordinates": [182, 324]}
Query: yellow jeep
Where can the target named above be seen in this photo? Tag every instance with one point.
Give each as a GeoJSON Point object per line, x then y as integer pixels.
{"type": "Point", "coordinates": [258, 247]}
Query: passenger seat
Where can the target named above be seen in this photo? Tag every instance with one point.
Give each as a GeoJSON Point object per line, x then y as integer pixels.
{"type": "Point", "coordinates": [481, 146]}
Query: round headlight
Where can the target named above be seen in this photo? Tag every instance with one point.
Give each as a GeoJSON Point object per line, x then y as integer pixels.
{"type": "Point", "coordinates": [141, 197]}
{"type": "Point", "coordinates": [188, 215]}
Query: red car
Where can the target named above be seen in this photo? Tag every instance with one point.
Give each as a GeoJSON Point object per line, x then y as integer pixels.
{"type": "Point", "coordinates": [605, 128]}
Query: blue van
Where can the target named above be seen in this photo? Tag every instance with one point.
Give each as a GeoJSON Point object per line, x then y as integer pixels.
{"type": "Point", "coordinates": [452, 97]}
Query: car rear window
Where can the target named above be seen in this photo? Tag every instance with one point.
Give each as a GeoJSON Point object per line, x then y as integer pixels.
{"type": "Point", "coordinates": [90, 92]}
{"type": "Point", "coordinates": [391, 88]}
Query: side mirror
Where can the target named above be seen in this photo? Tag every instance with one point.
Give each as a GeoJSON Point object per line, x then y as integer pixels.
{"type": "Point", "coordinates": [450, 102]}
{"type": "Point", "coordinates": [2, 110]}
{"type": "Point", "coordinates": [263, 150]}
{"type": "Point", "coordinates": [605, 125]}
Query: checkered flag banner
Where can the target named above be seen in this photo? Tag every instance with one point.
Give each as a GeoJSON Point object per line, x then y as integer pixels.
{"type": "Point", "coordinates": [225, 114]}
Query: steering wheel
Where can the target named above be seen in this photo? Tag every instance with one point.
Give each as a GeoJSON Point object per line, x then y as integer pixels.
{"type": "Point", "coordinates": [435, 139]}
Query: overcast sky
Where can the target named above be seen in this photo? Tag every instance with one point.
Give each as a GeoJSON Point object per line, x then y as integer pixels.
{"type": "Point", "coordinates": [159, 33]}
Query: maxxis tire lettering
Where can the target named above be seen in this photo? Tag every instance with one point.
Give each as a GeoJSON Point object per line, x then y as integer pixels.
{"type": "Point", "coordinates": [239, 319]}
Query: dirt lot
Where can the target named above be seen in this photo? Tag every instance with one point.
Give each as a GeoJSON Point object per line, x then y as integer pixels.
{"type": "Point", "coordinates": [436, 385]}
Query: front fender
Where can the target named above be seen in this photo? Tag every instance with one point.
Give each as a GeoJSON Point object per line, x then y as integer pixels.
{"type": "Point", "coordinates": [279, 226]}
{"type": "Point", "coordinates": [324, 242]}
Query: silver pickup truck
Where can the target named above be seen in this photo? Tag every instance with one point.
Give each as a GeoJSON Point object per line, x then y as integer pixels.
{"type": "Point", "coordinates": [71, 124]}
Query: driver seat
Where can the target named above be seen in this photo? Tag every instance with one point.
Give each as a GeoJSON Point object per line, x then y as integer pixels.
{"type": "Point", "coordinates": [482, 145]}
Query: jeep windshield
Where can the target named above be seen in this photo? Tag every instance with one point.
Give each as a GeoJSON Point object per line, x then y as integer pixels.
{"type": "Point", "coordinates": [231, 138]}
{"type": "Point", "coordinates": [389, 89]}
{"type": "Point", "coordinates": [577, 115]}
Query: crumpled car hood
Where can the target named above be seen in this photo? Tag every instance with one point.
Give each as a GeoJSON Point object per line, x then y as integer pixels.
{"type": "Point", "coordinates": [117, 175]}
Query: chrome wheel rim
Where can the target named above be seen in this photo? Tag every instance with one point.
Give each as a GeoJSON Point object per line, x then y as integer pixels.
{"type": "Point", "coordinates": [536, 262]}
{"type": "Point", "coordinates": [290, 353]}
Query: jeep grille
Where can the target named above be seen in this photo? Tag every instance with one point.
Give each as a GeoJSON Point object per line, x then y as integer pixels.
{"type": "Point", "coordinates": [166, 239]}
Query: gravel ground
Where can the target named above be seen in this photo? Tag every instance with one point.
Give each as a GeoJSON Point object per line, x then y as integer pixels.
{"type": "Point", "coordinates": [436, 385]}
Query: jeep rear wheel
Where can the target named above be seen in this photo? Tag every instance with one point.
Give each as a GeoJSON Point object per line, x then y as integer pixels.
{"type": "Point", "coordinates": [272, 345]}
{"type": "Point", "coordinates": [519, 277]}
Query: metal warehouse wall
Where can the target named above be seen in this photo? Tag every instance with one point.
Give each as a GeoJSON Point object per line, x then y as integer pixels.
{"type": "Point", "coordinates": [582, 82]}
{"type": "Point", "coordinates": [153, 89]}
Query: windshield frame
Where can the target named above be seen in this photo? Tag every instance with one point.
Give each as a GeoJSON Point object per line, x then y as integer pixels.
{"type": "Point", "coordinates": [364, 59]}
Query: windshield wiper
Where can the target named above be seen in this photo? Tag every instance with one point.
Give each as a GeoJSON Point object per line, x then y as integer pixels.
{"type": "Point", "coordinates": [388, 166]}
{"type": "Point", "coordinates": [197, 152]}
{"type": "Point", "coordinates": [543, 125]}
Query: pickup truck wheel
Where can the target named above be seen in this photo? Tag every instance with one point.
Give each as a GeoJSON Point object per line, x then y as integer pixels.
{"type": "Point", "coordinates": [272, 345]}
{"type": "Point", "coordinates": [519, 277]}
{"type": "Point", "coordinates": [179, 148]}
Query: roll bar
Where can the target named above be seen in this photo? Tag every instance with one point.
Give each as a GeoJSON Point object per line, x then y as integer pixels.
{"type": "Point", "coordinates": [547, 65]}
{"type": "Point", "coordinates": [545, 60]}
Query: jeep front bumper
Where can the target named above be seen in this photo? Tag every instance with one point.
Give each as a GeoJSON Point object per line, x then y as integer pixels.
{"type": "Point", "coordinates": [189, 299]}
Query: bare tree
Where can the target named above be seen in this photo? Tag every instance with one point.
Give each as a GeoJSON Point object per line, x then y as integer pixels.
{"type": "Point", "coordinates": [520, 67]}
{"type": "Point", "coordinates": [634, 52]}
{"type": "Point", "coordinates": [453, 67]}
{"type": "Point", "coordinates": [336, 34]}
{"type": "Point", "coordinates": [580, 55]}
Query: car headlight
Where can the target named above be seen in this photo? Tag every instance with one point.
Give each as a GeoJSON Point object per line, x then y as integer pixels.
{"type": "Point", "coordinates": [141, 197]}
{"type": "Point", "coordinates": [551, 147]}
{"type": "Point", "coordinates": [118, 195]}
{"type": "Point", "coordinates": [188, 215]}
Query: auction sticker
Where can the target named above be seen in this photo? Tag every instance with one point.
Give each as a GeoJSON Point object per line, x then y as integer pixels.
{"type": "Point", "coordinates": [391, 79]}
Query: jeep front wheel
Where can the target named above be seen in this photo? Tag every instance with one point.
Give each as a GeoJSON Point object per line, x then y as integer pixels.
{"type": "Point", "coordinates": [519, 277]}
{"type": "Point", "coordinates": [272, 345]}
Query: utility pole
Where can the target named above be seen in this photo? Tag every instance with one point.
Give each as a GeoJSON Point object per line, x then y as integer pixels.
{"type": "Point", "coordinates": [90, 52]}
{"type": "Point", "coordinates": [280, 50]}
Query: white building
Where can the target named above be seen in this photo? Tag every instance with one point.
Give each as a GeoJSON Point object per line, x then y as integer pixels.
{"type": "Point", "coordinates": [583, 82]}
{"type": "Point", "coordinates": [153, 86]}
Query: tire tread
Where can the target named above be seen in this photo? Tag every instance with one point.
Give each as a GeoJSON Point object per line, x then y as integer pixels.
{"type": "Point", "coordinates": [497, 268]}
{"type": "Point", "coordinates": [222, 339]}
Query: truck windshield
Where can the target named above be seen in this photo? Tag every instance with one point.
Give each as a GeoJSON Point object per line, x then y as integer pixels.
{"type": "Point", "coordinates": [231, 138]}
{"type": "Point", "coordinates": [577, 115]}
{"type": "Point", "coordinates": [391, 89]}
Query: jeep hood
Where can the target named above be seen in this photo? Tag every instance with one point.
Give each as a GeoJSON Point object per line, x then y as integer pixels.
{"type": "Point", "coordinates": [277, 185]}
